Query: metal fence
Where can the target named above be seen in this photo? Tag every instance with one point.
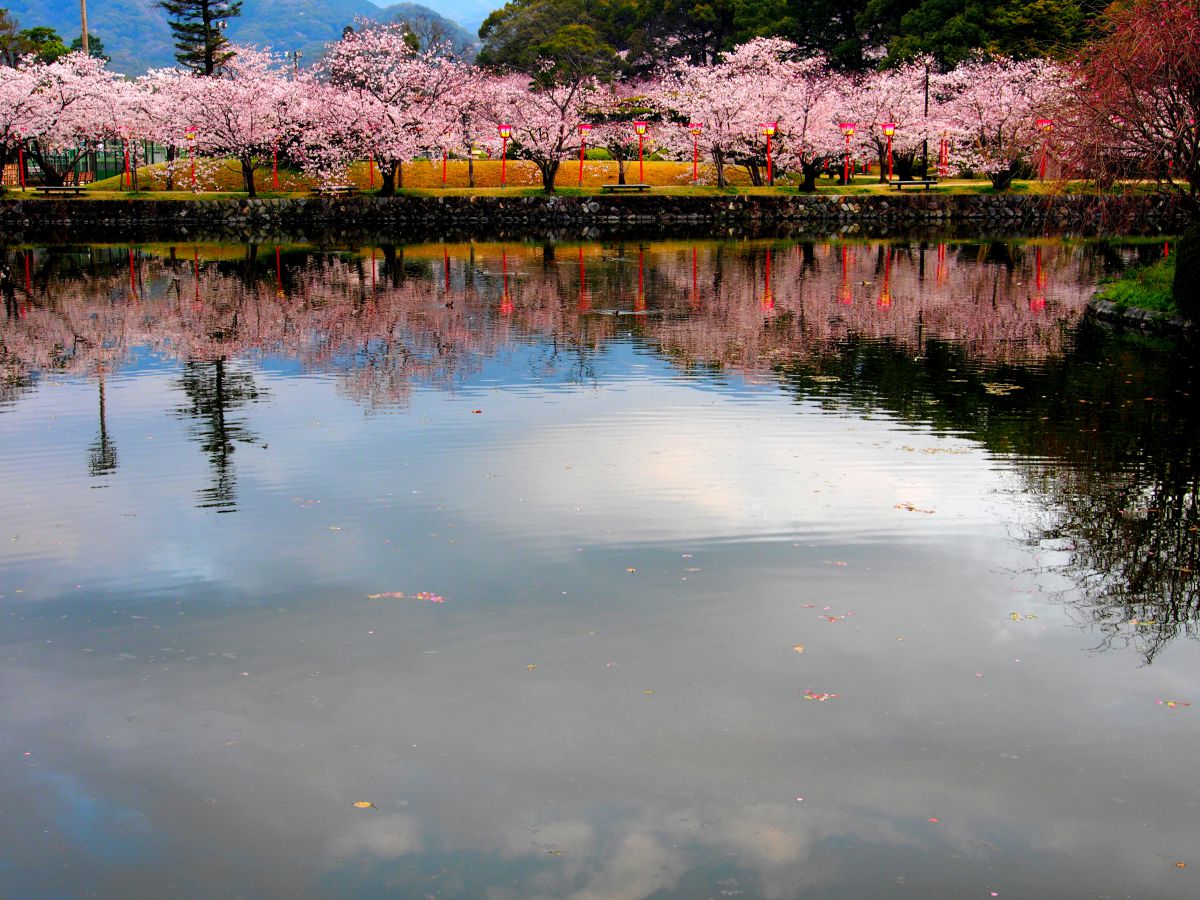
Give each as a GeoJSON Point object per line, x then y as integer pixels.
{"type": "Point", "coordinates": [95, 163]}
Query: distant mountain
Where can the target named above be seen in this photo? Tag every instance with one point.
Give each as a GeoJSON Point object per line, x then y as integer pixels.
{"type": "Point", "coordinates": [136, 36]}
{"type": "Point", "coordinates": [467, 13]}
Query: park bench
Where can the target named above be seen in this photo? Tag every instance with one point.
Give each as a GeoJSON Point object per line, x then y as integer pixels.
{"type": "Point", "coordinates": [928, 182]}
{"type": "Point", "coordinates": [345, 190]}
{"type": "Point", "coordinates": [59, 189]}
{"type": "Point", "coordinates": [617, 188]}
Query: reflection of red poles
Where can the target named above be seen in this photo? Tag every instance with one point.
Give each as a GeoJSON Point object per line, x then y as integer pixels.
{"type": "Point", "coordinates": [889, 128]}
{"type": "Point", "coordinates": [768, 128]}
{"type": "Point", "coordinates": [846, 299]}
{"type": "Point", "coordinates": [941, 263]}
{"type": "Point", "coordinates": [278, 274]}
{"type": "Point", "coordinates": [1166, 249]}
{"type": "Point", "coordinates": [28, 277]}
{"type": "Point", "coordinates": [196, 272]}
{"type": "Point", "coordinates": [639, 303]}
{"type": "Point", "coordinates": [132, 275]}
{"type": "Point", "coordinates": [640, 128]}
{"type": "Point", "coordinates": [505, 134]}
{"type": "Point", "coordinates": [695, 286]}
{"type": "Point", "coordinates": [374, 268]}
{"type": "Point", "coordinates": [585, 302]}
{"type": "Point", "coordinates": [885, 295]}
{"type": "Point", "coordinates": [695, 128]}
{"type": "Point", "coordinates": [848, 131]}
{"type": "Point", "coordinates": [446, 268]}
{"type": "Point", "coordinates": [768, 301]}
{"type": "Point", "coordinates": [506, 306]}
{"type": "Point", "coordinates": [1038, 303]}
{"type": "Point", "coordinates": [584, 128]}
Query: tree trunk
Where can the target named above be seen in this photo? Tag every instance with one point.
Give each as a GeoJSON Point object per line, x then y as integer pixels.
{"type": "Point", "coordinates": [171, 153]}
{"type": "Point", "coordinates": [549, 169]}
{"type": "Point", "coordinates": [1187, 274]}
{"type": "Point", "coordinates": [387, 176]}
{"type": "Point", "coordinates": [1003, 179]}
{"type": "Point", "coordinates": [620, 168]}
{"type": "Point", "coordinates": [719, 162]}
{"type": "Point", "coordinates": [248, 175]}
{"type": "Point", "coordinates": [470, 168]}
{"type": "Point", "coordinates": [811, 172]}
{"type": "Point", "coordinates": [400, 175]}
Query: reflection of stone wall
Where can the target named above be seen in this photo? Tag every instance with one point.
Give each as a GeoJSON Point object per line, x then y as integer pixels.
{"type": "Point", "coordinates": [548, 214]}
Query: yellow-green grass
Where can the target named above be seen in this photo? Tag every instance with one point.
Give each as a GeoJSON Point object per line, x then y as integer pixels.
{"type": "Point", "coordinates": [223, 179]}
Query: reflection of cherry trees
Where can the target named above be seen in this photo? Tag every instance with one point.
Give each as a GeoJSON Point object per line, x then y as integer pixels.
{"type": "Point", "coordinates": [1115, 473]}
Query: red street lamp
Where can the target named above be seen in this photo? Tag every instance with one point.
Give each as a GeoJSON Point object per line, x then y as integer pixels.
{"type": "Point", "coordinates": [640, 128]}
{"type": "Point", "coordinates": [584, 128]}
{"type": "Point", "coordinates": [21, 159]}
{"type": "Point", "coordinates": [505, 134]}
{"type": "Point", "coordinates": [768, 128]}
{"type": "Point", "coordinates": [1045, 126]}
{"type": "Point", "coordinates": [889, 128]}
{"type": "Point", "coordinates": [695, 128]}
{"type": "Point", "coordinates": [190, 134]}
{"type": "Point", "coordinates": [275, 166]}
{"type": "Point", "coordinates": [848, 130]}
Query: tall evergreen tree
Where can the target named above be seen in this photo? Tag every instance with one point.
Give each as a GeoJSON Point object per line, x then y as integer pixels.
{"type": "Point", "coordinates": [198, 29]}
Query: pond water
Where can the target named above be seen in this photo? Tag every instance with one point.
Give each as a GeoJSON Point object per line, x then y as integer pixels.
{"type": "Point", "coordinates": [744, 569]}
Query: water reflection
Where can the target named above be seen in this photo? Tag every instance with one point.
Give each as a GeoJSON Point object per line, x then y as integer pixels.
{"type": "Point", "coordinates": [639, 473]}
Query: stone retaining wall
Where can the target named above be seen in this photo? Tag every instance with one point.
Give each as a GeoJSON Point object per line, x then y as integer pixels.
{"type": "Point", "coordinates": [406, 217]}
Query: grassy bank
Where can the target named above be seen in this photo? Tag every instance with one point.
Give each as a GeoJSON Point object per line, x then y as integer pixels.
{"type": "Point", "coordinates": [1144, 287]}
{"type": "Point", "coordinates": [222, 179]}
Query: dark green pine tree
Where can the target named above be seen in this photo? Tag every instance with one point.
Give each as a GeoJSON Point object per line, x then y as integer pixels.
{"type": "Point", "coordinates": [198, 27]}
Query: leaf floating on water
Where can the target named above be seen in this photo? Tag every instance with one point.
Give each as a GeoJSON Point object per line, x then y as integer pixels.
{"type": "Point", "coordinates": [1173, 704]}
{"type": "Point", "coordinates": [531, 666]}
{"type": "Point", "coordinates": [1144, 623]}
{"type": "Point", "coordinates": [1000, 388]}
{"type": "Point", "coordinates": [631, 570]}
{"type": "Point", "coordinates": [647, 692]}
{"type": "Point", "coordinates": [911, 508]}
{"type": "Point", "coordinates": [400, 595]}
{"type": "Point", "coordinates": [820, 697]}
{"type": "Point", "coordinates": [934, 819]}
{"type": "Point", "coordinates": [1017, 617]}
{"type": "Point", "coordinates": [364, 804]}
{"type": "Point", "coordinates": [1181, 865]}
{"type": "Point", "coordinates": [799, 648]}
{"type": "Point", "coordinates": [835, 562]}
{"type": "Point", "coordinates": [824, 379]}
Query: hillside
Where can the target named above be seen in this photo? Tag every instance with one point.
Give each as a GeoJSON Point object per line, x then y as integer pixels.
{"type": "Point", "coordinates": [136, 36]}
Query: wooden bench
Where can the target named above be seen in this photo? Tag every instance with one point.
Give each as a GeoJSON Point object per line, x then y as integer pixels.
{"type": "Point", "coordinates": [928, 182]}
{"type": "Point", "coordinates": [617, 188]}
{"type": "Point", "coordinates": [59, 189]}
{"type": "Point", "coordinates": [346, 190]}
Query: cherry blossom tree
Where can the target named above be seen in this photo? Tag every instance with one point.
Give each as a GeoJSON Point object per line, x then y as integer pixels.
{"type": "Point", "coordinates": [898, 96]}
{"type": "Point", "coordinates": [994, 111]}
{"type": "Point", "coordinates": [404, 93]}
{"type": "Point", "coordinates": [544, 118]}
{"type": "Point", "coordinates": [242, 113]}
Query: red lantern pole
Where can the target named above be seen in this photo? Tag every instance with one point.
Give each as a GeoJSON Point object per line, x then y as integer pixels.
{"type": "Point", "coordinates": [21, 163]}
{"type": "Point", "coordinates": [371, 169]}
{"type": "Point", "coordinates": [695, 128]}
{"type": "Point", "coordinates": [584, 128]}
{"type": "Point", "coordinates": [848, 131]}
{"type": "Point", "coordinates": [275, 165]}
{"type": "Point", "coordinates": [640, 128]}
{"type": "Point", "coordinates": [768, 128]}
{"type": "Point", "coordinates": [128, 179]}
{"type": "Point", "coordinates": [889, 128]}
{"type": "Point", "coordinates": [505, 132]}
{"type": "Point", "coordinates": [190, 134]}
{"type": "Point", "coordinates": [1046, 125]}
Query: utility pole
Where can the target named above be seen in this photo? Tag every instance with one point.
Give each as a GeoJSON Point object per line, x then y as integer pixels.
{"type": "Point", "coordinates": [83, 16]}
